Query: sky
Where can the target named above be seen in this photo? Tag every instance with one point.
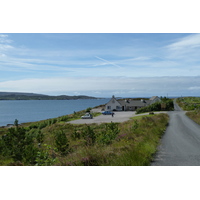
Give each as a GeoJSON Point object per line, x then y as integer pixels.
{"type": "Point", "coordinates": [101, 64]}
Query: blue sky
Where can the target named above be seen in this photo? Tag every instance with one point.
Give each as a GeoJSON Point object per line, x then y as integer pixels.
{"type": "Point", "coordinates": [97, 64]}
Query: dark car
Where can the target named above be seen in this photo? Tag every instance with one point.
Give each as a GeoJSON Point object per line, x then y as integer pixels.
{"type": "Point", "coordinates": [107, 113]}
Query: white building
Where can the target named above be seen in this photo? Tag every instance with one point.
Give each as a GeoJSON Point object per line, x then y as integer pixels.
{"type": "Point", "coordinates": [129, 105]}
{"type": "Point", "coordinates": [113, 104]}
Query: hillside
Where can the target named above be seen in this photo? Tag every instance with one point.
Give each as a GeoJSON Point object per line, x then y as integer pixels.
{"type": "Point", "coordinates": [33, 96]}
{"type": "Point", "coordinates": [54, 142]}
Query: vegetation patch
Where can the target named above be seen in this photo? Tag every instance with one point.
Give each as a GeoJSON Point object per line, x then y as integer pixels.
{"type": "Point", "coordinates": [50, 142]}
{"type": "Point", "coordinates": [165, 104]}
{"type": "Point", "coordinates": [189, 103]}
{"type": "Point", "coordinates": [194, 115]}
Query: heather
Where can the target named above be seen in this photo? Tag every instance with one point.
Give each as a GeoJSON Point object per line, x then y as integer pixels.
{"type": "Point", "coordinates": [55, 142]}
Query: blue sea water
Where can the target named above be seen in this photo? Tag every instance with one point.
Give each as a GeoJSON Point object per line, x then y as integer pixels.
{"type": "Point", "coordinates": [35, 110]}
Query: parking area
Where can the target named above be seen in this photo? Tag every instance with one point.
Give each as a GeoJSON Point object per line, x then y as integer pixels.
{"type": "Point", "coordinates": [118, 117]}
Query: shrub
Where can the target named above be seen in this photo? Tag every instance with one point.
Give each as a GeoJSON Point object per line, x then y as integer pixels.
{"type": "Point", "coordinates": [89, 136]}
{"type": "Point", "coordinates": [75, 134]}
{"type": "Point", "coordinates": [19, 145]}
{"type": "Point", "coordinates": [169, 105]}
{"type": "Point", "coordinates": [88, 109]}
{"type": "Point", "coordinates": [61, 142]}
{"type": "Point", "coordinates": [109, 133]}
{"type": "Point", "coordinates": [40, 137]}
{"type": "Point", "coordinates": [135, 125]}
{"type": "Point", "coordinates": [43, 158]}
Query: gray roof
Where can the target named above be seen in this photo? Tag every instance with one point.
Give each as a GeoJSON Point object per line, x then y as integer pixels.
{"type": "Point", "coordinates": [152, 98]}
{"type": "Point", "coordinates": [134, 102]}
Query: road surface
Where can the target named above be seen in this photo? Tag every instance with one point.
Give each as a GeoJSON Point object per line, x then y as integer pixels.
{"type": "Point", "coordinates": [180, 145]}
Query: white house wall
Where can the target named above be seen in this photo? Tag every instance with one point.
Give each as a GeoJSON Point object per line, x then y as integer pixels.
{"type": "Point", "coordinates": [113, 104]}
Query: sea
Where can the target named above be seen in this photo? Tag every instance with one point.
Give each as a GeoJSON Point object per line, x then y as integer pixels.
{"type": "Point", "coordinates": [36, 110]}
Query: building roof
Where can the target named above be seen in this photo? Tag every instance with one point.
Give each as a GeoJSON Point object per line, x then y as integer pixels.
{"type": "Point", "coordinates": [133, 102]}
{"type": "Point", "coordinates": [152, 98]}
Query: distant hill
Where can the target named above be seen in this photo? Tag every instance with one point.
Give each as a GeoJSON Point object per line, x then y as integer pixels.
{"type": "Point", "coordinates": [33, 96]}
{"type": "Point", "coordinates": [20, 93]}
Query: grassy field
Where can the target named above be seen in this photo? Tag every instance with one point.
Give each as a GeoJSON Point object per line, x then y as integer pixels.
{"type": "Point", "coordinates": [191, 104]}
{"type": "Point", "coordinates": [54, 142]}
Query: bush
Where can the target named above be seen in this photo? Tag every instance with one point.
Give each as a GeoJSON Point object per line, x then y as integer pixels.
{"type": "Point", "coordinates": [40, 137]}
{"type": "Point", "coordinates": [109, 133]}
{"type": "Point", "coordinates": [43, 158]}
{"type": "Point", "coordinates": [88, 109]}
{"type": "Point", "coordinates": [169, 105]}
{"type": "Point", "coordinates": [75, 134]}
{"type": "Point", "coordinates": [89, 136]}
{"type": "Point", "coordinates": [19, 145]}
{"type": "Point", "coordinates": [61, 142]}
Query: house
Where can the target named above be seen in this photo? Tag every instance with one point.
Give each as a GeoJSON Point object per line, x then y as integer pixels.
{"type": "Point", "coordinates": [128, 104]}
{"type": "Point", "coordinates": [113, 104]}
{"type": "Point", "coordinates": [154, 99]}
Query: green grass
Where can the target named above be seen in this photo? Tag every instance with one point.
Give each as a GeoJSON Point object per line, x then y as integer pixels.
{"type": "Point", "coordinates": [133, 142]}
{"type": "Point", "coordinates": [189, 103]}
{"type": "Point", "coordinates": [194, 115]}
{"type": "Point", "coordinates": [141, 116]}
{"type": "Point", "coordinates": [142, 145]}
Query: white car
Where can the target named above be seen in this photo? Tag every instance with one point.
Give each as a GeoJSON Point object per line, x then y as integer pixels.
{"type": "Point", "coordinates": [87, 116]}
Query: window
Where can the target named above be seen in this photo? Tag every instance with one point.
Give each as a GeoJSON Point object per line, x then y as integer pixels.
{"type": "Point", "coordinates": [108, 107]}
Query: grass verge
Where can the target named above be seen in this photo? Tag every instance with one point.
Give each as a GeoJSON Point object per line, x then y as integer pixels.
{"type": "Point", "coordinates": [194, 115]}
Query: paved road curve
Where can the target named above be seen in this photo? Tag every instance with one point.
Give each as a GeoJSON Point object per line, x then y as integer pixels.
{"type": "Point", "coordinates": [180, 145]}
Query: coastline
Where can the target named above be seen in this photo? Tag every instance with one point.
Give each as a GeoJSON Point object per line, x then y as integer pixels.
{"type": "Point", "coordinates": [65, 114]}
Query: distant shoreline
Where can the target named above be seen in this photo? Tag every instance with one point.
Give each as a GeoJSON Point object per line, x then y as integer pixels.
{"type": "Point", "coordinates": [46, 99]}
{"type": "Point", "coordinates": [32, 96]}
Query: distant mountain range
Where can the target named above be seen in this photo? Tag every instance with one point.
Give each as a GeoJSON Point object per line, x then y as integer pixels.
{"type": "Point", "coordinates": [33, 96]}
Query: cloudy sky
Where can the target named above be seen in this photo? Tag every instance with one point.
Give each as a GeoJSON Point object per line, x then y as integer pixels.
{"type": "Point", "coordinates": [98, 64]}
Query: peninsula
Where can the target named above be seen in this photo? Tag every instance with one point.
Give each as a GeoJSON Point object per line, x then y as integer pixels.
{"type": "Point", "coordinates": [33, 96]}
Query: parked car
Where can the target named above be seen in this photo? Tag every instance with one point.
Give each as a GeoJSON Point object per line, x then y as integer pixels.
{"type": "Point", "coordinates": [87, 116]}
{"type": "Point", "coordinates": [107, 112]}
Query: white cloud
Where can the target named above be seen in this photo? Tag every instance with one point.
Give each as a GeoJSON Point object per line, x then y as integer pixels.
{"type": "Point", "coordinates": [194, 88]}
{"type": "Point", "coordinates": [5, 47]}
{"type": "Point", "coordinates": [105, 69]}
{"type": "Point", "coordinates": [5, 43]}
{"type": "Point", "coordinates": [4, 39]}
{"type": "Point", "coordinates": [161, 86]}
{"type": "Point", "coordinates": [108, 62]}
{"type": "Point", "coordinates": [2, 55]}
{"type": "Point", "coordinates": [191, 41]}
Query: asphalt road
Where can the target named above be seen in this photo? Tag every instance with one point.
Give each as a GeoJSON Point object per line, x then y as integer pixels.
{"type": "Point", "coordinates": [180, 145]}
